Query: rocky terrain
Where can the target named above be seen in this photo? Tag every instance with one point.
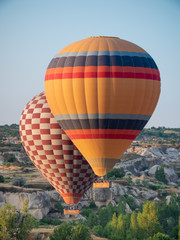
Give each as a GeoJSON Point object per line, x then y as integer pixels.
{"type": "Point", "coordinates": [138, 182]}
{"type": "Point", "coordinates": [139, 165]}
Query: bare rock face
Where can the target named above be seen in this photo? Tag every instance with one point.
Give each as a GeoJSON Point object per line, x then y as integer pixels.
{"type": "Point", "coordinates": [153, 169]}
{"type": "Point", "coordinates": [128, 209]}
{"type": "Point", "coordinates": [172, 152]}
{"type": "Point", "coordinates": [39, 204]}
{"type": "Point", "coordinates": [170, 174]}
{"type": "Point", "coordinates": [118, 190]}
{"type": "Point", "coordinates": [102, 196]}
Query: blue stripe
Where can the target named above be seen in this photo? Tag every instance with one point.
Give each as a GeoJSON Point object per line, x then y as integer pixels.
{"type": "Point", "coordinates": [102, 53]}
{"type": "Point", "coordinates": [102, 60]}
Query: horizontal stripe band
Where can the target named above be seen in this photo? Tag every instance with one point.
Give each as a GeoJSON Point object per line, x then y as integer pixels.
{"type": "Point", "coordinates": [103, 69]}
{"type": "Point", "coordinates": [99, 53]}
{"type": "Point", "coordinates": [101, 75]}
{"type": "Point", "coordinates": [103, 124]}
{"type": "Point", "coordinates": [102, 60]}
{"type": "Point", "coordinates": [102, 116]}
{"type": "Point", "coordinates": [102, 131]}
{"type": "Point", "coordinates": [102, 136]}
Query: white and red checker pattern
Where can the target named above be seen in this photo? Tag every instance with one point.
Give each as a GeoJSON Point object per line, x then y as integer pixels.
{"type": "Point", "coordinates": [52, 152]}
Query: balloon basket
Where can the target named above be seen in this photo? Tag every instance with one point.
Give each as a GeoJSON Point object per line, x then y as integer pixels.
{"type": "Point", "coordinates": [103, 184]}
{"type": "Point", "coordinates": [71, 211]}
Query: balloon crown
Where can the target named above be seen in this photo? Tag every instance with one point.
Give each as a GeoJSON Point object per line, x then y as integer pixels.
{"type": "Point", "coordinates": [102, 37]}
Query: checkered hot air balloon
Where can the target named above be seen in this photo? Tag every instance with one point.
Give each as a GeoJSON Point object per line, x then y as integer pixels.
{"type": "Point", "coordinates": [103, 91]}
{"type": "Point", "coordinates": [52, 152]}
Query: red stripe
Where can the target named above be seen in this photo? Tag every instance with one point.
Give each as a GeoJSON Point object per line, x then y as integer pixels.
{"type": "Point", "coordinates": [68, 161]}
{"type": "Point", "coordinates": [49, 152]}
{"type": "Point", "coordinates": [39, 147]}
{"type": "Point", "coordinates": [46, 110]}
{"type": "Point", "coordinates": [36, 137]}
{"type": "Point", "coordinates": [66, 142]}
{"type": "Point", "coordinates": [44, 120]}
{"type": "Point", "coordinates": [28, 121]}
{"type": "Point", "coordinates": [67, 152]}
{"type": "Point", "coordinates": [55, 125]}
{"type": "Point", "coordinates": [102, 75]}
{"type": "Point", "coordinates": [103, 136]}
{"type": "Point", "coordinates": [56, 136]}
{"type": "Point", "coordinates": [35, 126]}
{"type": "Point", "coordinates": [57, 147]}
{"type": "Point", "coordinates": [36, 115]}
{"type": "Point", "coordinates": [39, 105]}
{"type": "Point", "coordinates": [45, 131]}
{"type": "Point", "coordinates": [46, 142]}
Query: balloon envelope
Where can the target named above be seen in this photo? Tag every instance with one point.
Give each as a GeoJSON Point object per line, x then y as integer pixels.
{"type": "Point", "coordinates": [52, 152]}
{"type": "Point", "coordinates": [102, 90]}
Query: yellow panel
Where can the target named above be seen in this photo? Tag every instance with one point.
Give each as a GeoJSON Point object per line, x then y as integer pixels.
{"type": "Point", "coordinates": [126, 96]}
{"type": "Point", "coordinates": [102, 148]}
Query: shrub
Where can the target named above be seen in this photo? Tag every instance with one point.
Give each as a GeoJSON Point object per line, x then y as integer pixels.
{"type": "Point", "coordinates": [131, 202]}
{"type": "Point", "coordinates": [92, 205]}
{"type": "Point", "coordinates": [67, 231]}
{"type": "Point", "coordinates": [115, 173]}
{"type": "Point", "coordinates": [159, 236]}
{"type": "Point", "coordinates": [86, 212]}
{"type": "Point", "coordinates": [19, 181]}
{"type": "Point", "coordinates": [2, 179]}
{"type": "Point", "coordinates": [160, 175]}
{"type": "Point", "coordinates": [6, 164]}
{"type": "Point", "coordinates": [12, 158]}
{"type": "Point", "coordinates": [98, 230]}
{"type": "Point", "coordinates": [59, 207]}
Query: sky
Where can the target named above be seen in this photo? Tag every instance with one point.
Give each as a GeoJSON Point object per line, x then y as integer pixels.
{"type": "Point", "coordinates": [32, 32]}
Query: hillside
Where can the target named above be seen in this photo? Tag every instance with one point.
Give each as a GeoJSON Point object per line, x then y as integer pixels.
{"type": "Point", "coordinates": [148, 170]}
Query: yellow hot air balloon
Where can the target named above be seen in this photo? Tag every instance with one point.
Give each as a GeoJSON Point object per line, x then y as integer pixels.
{"type": "Point", "coordinates": [102, 91]}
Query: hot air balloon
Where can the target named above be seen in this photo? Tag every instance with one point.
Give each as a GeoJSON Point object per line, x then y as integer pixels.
{"type": "Point", "coordinates": [102, 91]}
{"type": "Point", "coordinates": [52, 152]}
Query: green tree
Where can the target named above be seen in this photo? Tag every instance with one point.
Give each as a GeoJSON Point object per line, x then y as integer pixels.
{"type": "Point", "coordinates": [160, 175]}
{"type": "Point", "coordinates": [169, 215]}
{"type": "Point", "coordinates": [148, 220]}
{"type": "Point", "coordinates": [121, 206]}
{"type": "Point", "coordinates": [121, 227]}
{"type": "Point", "coordinates": [92, 220]}
{"type": "Point", "coordinates": [98, 230]}
{"type": "Point", "coordinates": [68, 231]}
{"type": "Point", "coordinates": [104, 216]}
{"type": "Point", "coordinates": [179, 229]}
{"type": "Point", "coordinates": [59, 207]}
{"type": "Point", "coordinates": [114, 222]}
{"type": "Point", "coordinates": [81, 232]}
{"type": "Point", "coordinates": [14, 224]}
{"type": "Point", "coordinates": [159, 236]}
{"type": "Point", "coordinates": [134, 229]}
{"type": "Point", "coordinates": [63, 232]}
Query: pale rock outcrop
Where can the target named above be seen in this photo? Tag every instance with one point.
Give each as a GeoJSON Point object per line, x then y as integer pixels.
{"type": "Point", "coordinates": [172, 152]}
{"type": "Point", "coordinates": [39, 202]}
{"type": "Point", "coordinates": [153, 169]}
{"type": "Point", "coordinates": [128, 209]}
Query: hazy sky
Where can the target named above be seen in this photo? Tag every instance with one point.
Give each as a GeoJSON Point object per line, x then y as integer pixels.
{"type": "Point", "coordinates": [33, 31]}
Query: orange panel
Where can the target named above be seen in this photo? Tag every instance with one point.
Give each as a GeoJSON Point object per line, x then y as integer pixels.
{"type": "Point", "coordinates": [71, 212]}
{"type": "Point", "coordinates": [101, 185]}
